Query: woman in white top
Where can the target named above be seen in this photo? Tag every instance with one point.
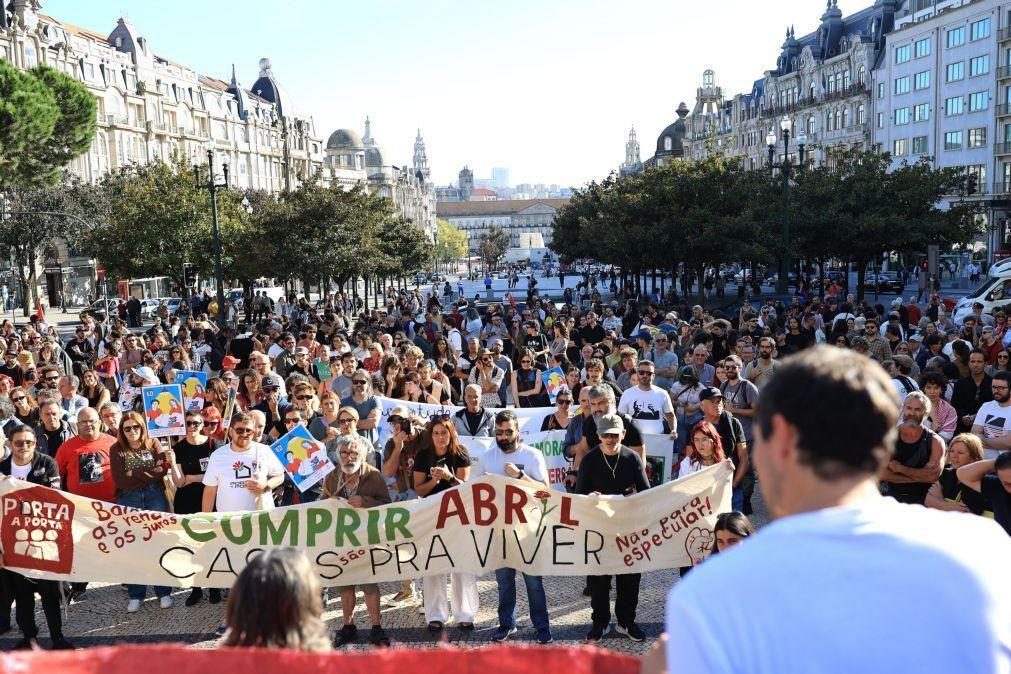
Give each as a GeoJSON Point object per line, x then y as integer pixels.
{"type": "Point", "coordinates": [705, 449]}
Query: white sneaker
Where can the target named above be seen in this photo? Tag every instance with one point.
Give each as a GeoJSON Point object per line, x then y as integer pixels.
{"type": "Point", "coordinates": [133, 606]}
{"type": "Point", "coordinates": [166, 602]}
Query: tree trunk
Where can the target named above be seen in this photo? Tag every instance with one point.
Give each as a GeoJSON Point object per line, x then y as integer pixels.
{"type": "Point", "coordinates": [861, 274]}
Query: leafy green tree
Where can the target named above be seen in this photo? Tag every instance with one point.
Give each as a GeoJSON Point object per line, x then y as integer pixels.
{"type": "Point", "coordinates": [46, 119]}
{"type": "Point", "coordinates": [41, 217]}
{"type": "Point", "coordinates": [452, 243]}
{"type": "Point", "coordinates": [493, 246]}
{"type": "Point", "coordinates": [159, 219]}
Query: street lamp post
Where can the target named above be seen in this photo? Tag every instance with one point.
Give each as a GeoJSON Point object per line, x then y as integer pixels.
{"type": "Point", "coordinates": [214, 186]}
{"type": "Point", "coordinates": [785, 170]}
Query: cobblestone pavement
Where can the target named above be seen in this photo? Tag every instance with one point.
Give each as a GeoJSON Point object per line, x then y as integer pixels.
{"type": "Point", "coordinates": [100, 618]}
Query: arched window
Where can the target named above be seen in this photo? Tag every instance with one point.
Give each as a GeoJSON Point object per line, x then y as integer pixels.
{"type": "Point", "coordinates": [861, 114]}
{"type": "Point", "coordinates": [846, 79]}
{"type": "Point", "coordinates": [828, 121]}
{"type": "Point", "coordinates": [812, 90]}
{"type": "Point", "coordinates": [838, 119]}
{"type": "Point", "coordinates": [810, 124]}
{"type": "Point", "coordinates": [668, 144]}
{"type": "Point", "coordinates": [862, 75]}
{"type": "Point", "coordinates": [846, 117]}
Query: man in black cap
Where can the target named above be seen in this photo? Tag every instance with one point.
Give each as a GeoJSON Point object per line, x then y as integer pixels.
{"type": "Point", "coordinates": [615, 470]}
{"type": "Point", "coordinates": [731, 432]}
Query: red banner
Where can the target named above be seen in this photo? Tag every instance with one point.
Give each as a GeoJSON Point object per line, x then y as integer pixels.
{"type": "Point", "coordinates": [167, 659]}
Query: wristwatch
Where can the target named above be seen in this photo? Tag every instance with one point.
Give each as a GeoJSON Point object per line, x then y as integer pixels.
{"type": "Point", "coordinates": [520, 476]}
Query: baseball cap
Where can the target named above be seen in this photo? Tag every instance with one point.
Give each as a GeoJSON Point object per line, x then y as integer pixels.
{"type": "Point", "coordinates": [987, 328]}
{"type": "Point", "coordinates": [301, 351]}
{"type": "Point", "coordinates": [644, 334]}
{"type": "Point", "coordinates": [271, 380]}
{"type": "Point", "coordinates": [610, 423]}
{"type": "Point", "coordinates": [400, 411]}
{"type": "Point", "coordinates": [903, 360]}
{"type": "Point", "coordinates": [709, 393]}
{"type": "Point", "coordinates": [146, 373]}
{"type": "Point", "coordinates": [229, 362]}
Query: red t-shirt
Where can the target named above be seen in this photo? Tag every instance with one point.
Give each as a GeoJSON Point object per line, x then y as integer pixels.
{"type": "Point", "coordinates": [86, 467]}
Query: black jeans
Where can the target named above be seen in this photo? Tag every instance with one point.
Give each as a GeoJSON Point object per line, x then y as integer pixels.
{"type": "Point", "coordinates": [625, 602]}
{"type": "Point", "coordinates": [24, 594]}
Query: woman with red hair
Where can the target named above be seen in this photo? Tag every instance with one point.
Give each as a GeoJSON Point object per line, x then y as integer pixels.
{"type": "Point", "coordinates": [704, 449]}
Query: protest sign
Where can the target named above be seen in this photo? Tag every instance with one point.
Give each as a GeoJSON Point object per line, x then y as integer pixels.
{"type": "Point", "coordinates": [303, 457]}
{"type": "Point", "coordinates": [554, 381]}
{"type": "Point", "coordinates": [163, 410]}
{"type": "Point", "coordinates": [194, 385]}
{"type": "Point", "coordinates": [226, 416]}
{"type": "Point", "coordinates": [490, 523]}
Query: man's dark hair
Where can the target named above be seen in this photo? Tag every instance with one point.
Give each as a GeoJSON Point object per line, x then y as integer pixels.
{"type": "Point", "coordinates": [931, 340]}
{"type": "Point", "coordinates": [1002, 461]}
{"type": "Point", "coordinates": [843, 406]}
{"type": "Point", "coordinates": [934, 377]}
{"type": "Point", "coordinates": [1003, 376]}
{"type": "Point", "coordinates": [975, 351]}
{"type": "Point", "coordinates": [22, 429]}
{"type": "Point", "coordinates": [506, 416]}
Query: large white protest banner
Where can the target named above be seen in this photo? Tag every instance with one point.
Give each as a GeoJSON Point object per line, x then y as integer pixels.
{"type": "Point", "coordinates": [659, 448]}
{"type": "Point", "coordinates": [486, 524]}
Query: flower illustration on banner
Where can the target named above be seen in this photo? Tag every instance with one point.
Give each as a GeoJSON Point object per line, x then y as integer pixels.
{"type": "Point", "coordinates": [543, 497]}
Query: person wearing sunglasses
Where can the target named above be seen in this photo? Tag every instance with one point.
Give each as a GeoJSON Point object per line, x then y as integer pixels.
{"type": "Point", "coordinates": [25, 463]}
{"type": "Point", "coordinates": [559, 419]}
{"type": "Point", "coordinates": [649, 405]}
{"type": "Point", "coordinates": [192, 454]}
{"type": "Point", "coordinates": [26, 409]}
{"type": "Point", "coordinates": [367, 405]}
{"type": "Point", "coordinates": [613, 469]}
{"type": "Point", "coordinates": [241, 474]}
{"type": "Point", "coordinates": [139, 465]}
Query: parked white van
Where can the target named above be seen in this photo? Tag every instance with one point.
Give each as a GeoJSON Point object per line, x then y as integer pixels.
{"type": "Point", "coordinates": [994, 292]}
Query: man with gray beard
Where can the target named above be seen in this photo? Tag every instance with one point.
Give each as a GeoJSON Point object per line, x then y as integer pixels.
{"type": "Point", "coordinates": [361, 486]}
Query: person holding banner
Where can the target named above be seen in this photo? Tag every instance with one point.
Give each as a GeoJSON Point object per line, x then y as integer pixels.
{"type": "Point", "coordinates": [613, 470]}
{"type": "Point", "coordinates": [839, 553]}
{"type": "Point", "coordinates": [513, 459]}
{"type": "Point", "coordinates": [139, 466]}
{"type": "Point", "coordinates": [24, 463]}
{"type": "Point", "coordinates": [362, 486]}
{"type": "Point", "coordinates": [192, 455]}
{"type": "Point", "coordinates": [444, 465]}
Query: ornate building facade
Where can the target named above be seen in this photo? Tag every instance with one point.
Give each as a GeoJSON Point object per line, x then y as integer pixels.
{"type": "Point", "coordinates": [820, 86]}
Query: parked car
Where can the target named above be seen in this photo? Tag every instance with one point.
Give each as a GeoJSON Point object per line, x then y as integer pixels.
{"type": "Point", "coordinates": [774, 279]}
{"type": "Point", "coordinates": [884, 282]}
{"type": "Point", "coordinates": [147, 309]}
{"type": "Point", "coordinates": [97, 309]}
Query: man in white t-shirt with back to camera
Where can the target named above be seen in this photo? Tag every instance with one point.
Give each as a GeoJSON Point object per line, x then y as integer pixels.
{"type": "Point", "coordinates": [845, 580]}
{"type": "Point", "coordinates": [241, 475]}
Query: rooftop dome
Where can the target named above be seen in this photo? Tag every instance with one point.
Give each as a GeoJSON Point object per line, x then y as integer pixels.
{"type": "Point", "coordinates": [345, 139]}
{"type": "Point", "coordinates": [266, 87]}
{"type": "Point", "coordinates": [374, 157]}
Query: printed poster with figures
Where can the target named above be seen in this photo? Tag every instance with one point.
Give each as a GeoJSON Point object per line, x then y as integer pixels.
{"type": "Point", "coordinates": [554, 381]}
{"type": "Point", "coordinates": [194, 384]}
{"type": "Point", "coordinates": [163, 410]}
{"type": "Point", "coordinates": [303, 457]}
{"type": "Point", "coordinates": [226, 416]}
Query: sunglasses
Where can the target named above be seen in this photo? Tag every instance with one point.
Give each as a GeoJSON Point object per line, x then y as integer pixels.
{"type": "Point", "coordinates": [131, 429]}
{"type": "Point", "coordinates": [194, 424]}
{"type": "Point", "coordinates": [271, 389]}
{"type": "Point", "coordinates": [243, 431]}
{"type": "Point", "coordinates": [645, 373]}
{"type": "Point", "coordinates": [294, 420]}
{"type": "Point", "coordinates": [609, 435]}
{"type": "Point", "coordinates": [345, 420]}
{"type": "Point", "coordinates": [19, 399]}
{"type": "Point", "coordinates": [359, 382]}
{"type": "Point", "coordinates": [303, 397]}
{"type": "Point", "coordinates": [564, 402]}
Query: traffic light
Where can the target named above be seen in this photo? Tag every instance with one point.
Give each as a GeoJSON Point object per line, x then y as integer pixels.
{"type": "Point", "coordinates": [189, 275]}
{"type": "Point", "coordinates": [971, 184]}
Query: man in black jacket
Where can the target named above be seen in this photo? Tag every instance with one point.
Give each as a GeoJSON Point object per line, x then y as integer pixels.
{"type": "Point", "coordinates": [26, 464]}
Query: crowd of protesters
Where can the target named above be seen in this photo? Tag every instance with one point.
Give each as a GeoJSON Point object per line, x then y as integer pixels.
{"type": "Point", "coordinates": [74, 409]}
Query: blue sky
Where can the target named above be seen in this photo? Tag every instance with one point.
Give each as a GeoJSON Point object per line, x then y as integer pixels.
{"type": "Point", "coordinates": [545, 88]}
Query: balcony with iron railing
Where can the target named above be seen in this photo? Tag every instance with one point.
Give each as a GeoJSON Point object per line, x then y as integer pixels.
{"type": "Point", "coordinates": [1002, 148]}
{"type": "Point", "coordinates": [1003, 72]}
{"type": "Point", "coordinates": [1004, 33]}
{"type": "Point", "coordinates": [1001, 189]}
{"type": "Point", "coordinates": [1003, 109]}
